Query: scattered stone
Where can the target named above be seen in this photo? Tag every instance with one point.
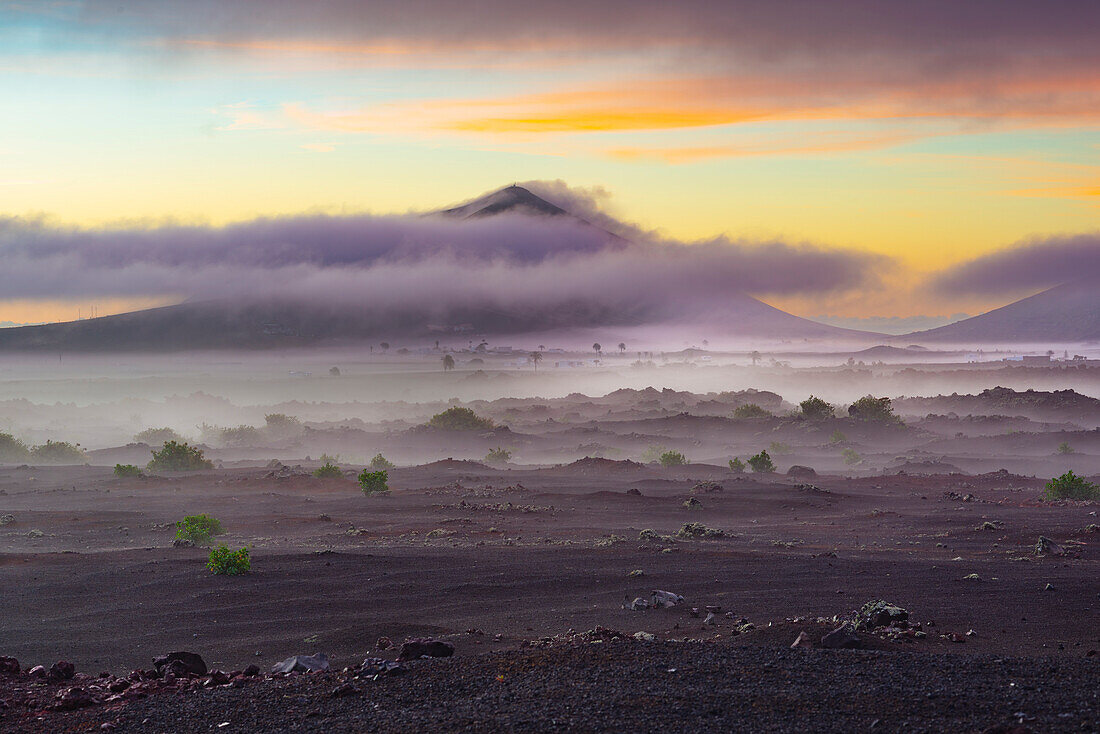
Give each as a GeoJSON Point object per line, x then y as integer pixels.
{"type": "Point", "coordinates": [37, 671]}
{"type": "Point", "coordinates": [1046, 546]}
{"type": "Point", "coordinates": [251, 671]}
{"type": "Point", "coordinates": [875, 614]}
{"type": "Point", "coordinates": [803, 640]}
{"type": "Point", "coordinates": [344, 690]}
{"type": "Point", "coordinates": [842, 637]}
{"type": "Point", "coordinates": [8, 664]}
{"type": "Point", "coordinates": [420, 647]}
{"type": "Point", "coordinates": [72, 699]}
{"type": "Point", "coordinates": [660, 599]}
{"type": "Point", "coordinates": [6, 519]}
{"type": "Point", "coordinates": [35, 534]}
{"type": "Point", "coordinates": [707, 486]}
{"type": "Point", "coordinates": [1049, 587]}
{"type": "Point", "coordinates": [378, 667]}
{"type": "Point", "coordinates": [638, 605]}
{"type": "Point", "coordinates": [645, 636]}
{"type": "Point", "coordinates": [972, 577]}
{"type": "Point", "coordinates": [635, 573]}
{"type": "Point", "coordinates": [183, 543]}
{"type": "Point", "coordinates": [384, 643]}
{"type": "Point", "coordinates": [302, 664]}
{"type": "Point", "coordinates": [60, 671]}
{"type": "Point", "coordinates": [181, 664]}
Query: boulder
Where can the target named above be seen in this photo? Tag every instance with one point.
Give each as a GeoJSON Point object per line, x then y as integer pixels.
{"type": "Point", "coordinates": [181, 664]}
{"type": "Point", "coordinates": [875, 614]}
{"type": "Point", "coordinates": [659, 599]}
{"type": "Point", "coordinates": [8, 664]}
{"type": "Point", "coordinates": [1046, 546]}
{"type": "Point", "coordinates": [798, 470]}
{"type": "Point", "coordinates": [380, 666]}
{"type": "Point", "coordinates": [803, 640]}
{"type": "Point", "coordinates": [73, 698]}
{"type": "Point", "coordinates": [302, 664]}
{"type": "Point", "coordinates": [843, 636]}
{"type": "Point", "coordinates": [62, 670]}
{"type": "Point", "coordinates": [419, 647]}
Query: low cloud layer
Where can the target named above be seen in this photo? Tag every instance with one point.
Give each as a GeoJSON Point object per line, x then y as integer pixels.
{"type": "Point", "coordinates": [428, 263]}
{"type": "Point", "coordinates": [1030, 265]}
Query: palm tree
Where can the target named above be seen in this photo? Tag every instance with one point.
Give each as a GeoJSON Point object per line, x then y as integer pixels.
{"type": "Point", "coordinates": [542, 347]}
{"type": "Point", "coordinates": [535, 358]}
{"type": "Point", "coordinates": [622, 347]}
{"type": "Point", "coordinates": [448, 363]}
{"type": "Point", "coordinates": [597, 347]}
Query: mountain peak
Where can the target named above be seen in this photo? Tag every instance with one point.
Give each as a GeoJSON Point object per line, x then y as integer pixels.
{"type": "Point", "coordinates": [512, 199]}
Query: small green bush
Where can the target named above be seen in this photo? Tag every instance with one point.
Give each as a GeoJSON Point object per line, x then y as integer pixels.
{"type": "Point", "coordinates": [58, 452]}
{"type": "Point", "coordinates": [837, 437]}
{"type": "Point", "coordinates": [328, 471]}
{"type": "Point", "coordinates": [779, 448]}
{"type": "Point", "coordinates": [762, 463]}
{"type": "Point", "coordinates": [870, 408]}
{"type": "Point", "coordinates": [750, 410]}
{"type": "Point", "coordinates": [229, 563]}
{"type": "Point", "coordinates": [737, 466]}
{"type": "Point", "coordinates": [498, 455]}
{"type": "Point", "coordinates": [460, 419]}
{"type": "Point", "coordinates": [1069, 486]}
{"type": "Point", "coordinates": [816, 409]}
{"type": "Point", "coordinates": [851, 457]}
{"type": "Point", "coordinates": [673, 458]}
{"type": "Point", "coordinates": [12, 450]}
{"type": "Point", "coordinates": [1065, 448]}
{"type": "Point", "coordinates": [699, 530]}
{"type": "Point", "coordinates": [199, 529]}
{"type": "Point", "coordinates": [374, 482]}
{"type": "Point", "coordinates": [157, 436]}
{"type": "Point", "coordinates": [175, 456]}
{"type": "Point", "coordinates": [127, 470]}
{"type": "Point", "coordinates": [381, 462]}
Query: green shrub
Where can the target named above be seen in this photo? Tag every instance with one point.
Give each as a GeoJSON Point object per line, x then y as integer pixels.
{"type": "Point", "coordinates": [816, 409]}
{"type": "Point", "coordinates": [374, 482]}
{"type": "Point", "coordinates": [12, 450]}
{"type": "Point", "coordinates": [699, 530]}
{"type": "Point", "coordinates": [127, 470]}
{"type": "Point", "coordinates": [326, 459]}
{"type": "Point", "coordinates": [381, 462]}
{"type": "Point", "coordinates": [498, 455]}
{"type": "Point", "coordinates": [736, 465]}
{"type": "Point", "coordinates": [1069, 486]}
{"type": "Point", "coordinates": [328, 471]}
{"type": "Point", "coordinates": [58, 452]}
{"type": "Point", "coordinates": [229, 563]}
{"type": "Point", "coordinates": [199, 529]}
{"type": "Point", "coordinates": [653, 454]}
{"type": "Point", "coordinates": [174, 456]}
{"type": "Point", "coordinates": [1065, 448]}
{"type": "Point", "coordinates": [460, 419]}
{"type": "Point", "coordinates": [851, 457]}
{"type": "Point", "coordinates": [750, 410]}
{"type": "Point", "coordinates": [240, 436]}
{"type": "Point", "coordinates": [157, 436]}
{"type": "Point", "coordinates": [281, 425]}
{"type": "Point", "coordinates": [673, 458]}
{"type": "Point", "coordinates": [870, 408]}
{"type": "Point", "coordinates": [779, 448]}
{"type": "Point", "coordinates": [837, 437]}
{"type": "Point", "coordinates": [762, 463]}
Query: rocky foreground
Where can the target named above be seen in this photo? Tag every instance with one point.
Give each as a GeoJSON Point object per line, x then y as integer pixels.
{"type": "Point", "coordinates": [593, 681]}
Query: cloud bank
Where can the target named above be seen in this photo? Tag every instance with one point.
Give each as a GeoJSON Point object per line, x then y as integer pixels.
{"type": "Point", "coordinates": [425, 263]}
{"type": "Point", "coordinates": [1030, 265]}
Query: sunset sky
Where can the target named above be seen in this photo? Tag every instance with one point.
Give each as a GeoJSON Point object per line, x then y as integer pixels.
{"type": "Point", "coordinates": [930, 133]}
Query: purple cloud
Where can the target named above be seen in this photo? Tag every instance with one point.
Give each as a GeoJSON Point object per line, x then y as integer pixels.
{"type": "Point", "coordinates": [1030, 265]}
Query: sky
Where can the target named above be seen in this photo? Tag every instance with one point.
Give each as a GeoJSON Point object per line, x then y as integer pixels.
{"type": "Point", "coordinates": [950, 151]}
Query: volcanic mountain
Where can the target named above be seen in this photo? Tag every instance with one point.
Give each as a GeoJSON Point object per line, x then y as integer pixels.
{"type": "Point", "coordinates": [277, 322]}
{"type": "Point", "coordinates": [1068, 313]}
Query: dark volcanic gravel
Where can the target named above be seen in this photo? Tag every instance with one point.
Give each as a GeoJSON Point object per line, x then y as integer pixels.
{"type": "Point", "coordinates": [632, 686]}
